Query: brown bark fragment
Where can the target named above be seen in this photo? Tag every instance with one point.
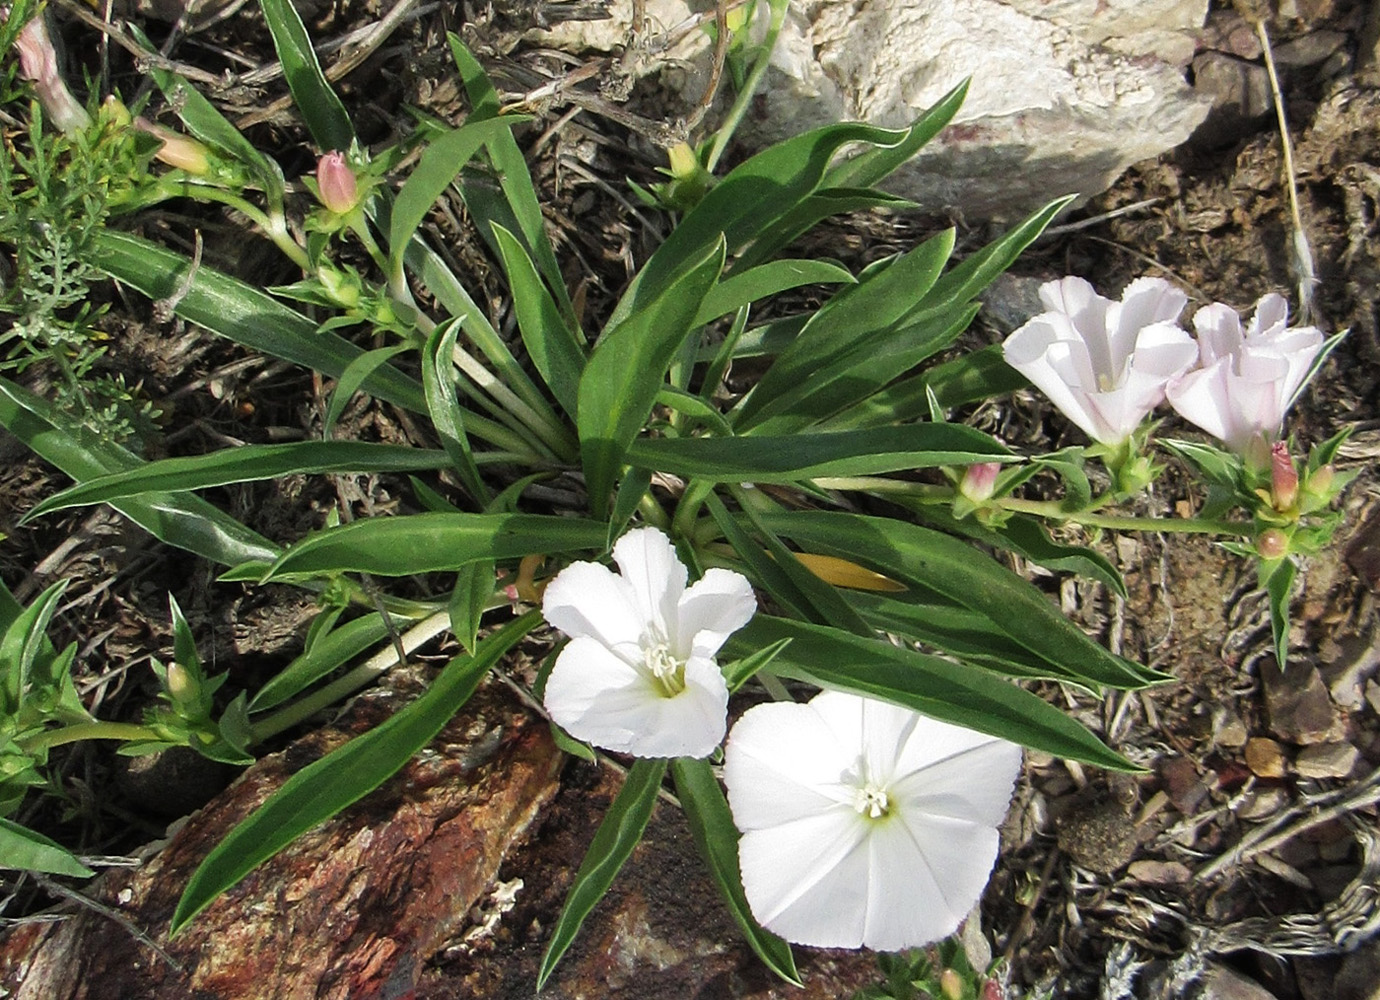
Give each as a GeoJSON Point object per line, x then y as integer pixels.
{"type": "Point", "coordinates": [350, 911]}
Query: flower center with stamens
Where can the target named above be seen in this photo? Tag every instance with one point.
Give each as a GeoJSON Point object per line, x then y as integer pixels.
{"type": "Point", "coordinates": [871, 801]}
{"type": "Point", "coordinates": [666, 670]}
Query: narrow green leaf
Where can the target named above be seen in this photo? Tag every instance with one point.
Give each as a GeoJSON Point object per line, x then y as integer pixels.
{"type": "Point", "coordinates": [232, 309]}
{"type": "Point", "coordinates": [614, 841]}
{"type": "Point", "coordinates": [711, 825]}
{"type": "Point", "coordinates": [352, 379]}
{"type": "Point", "coordinates": [764, 459]}
{"type": "Point", "coordinates": [631, 489]}
{"type": "Point", "coordinates": [513, 175]}
{"type": "Point", "coordinates": [438, 166]}
{"type": "Point", "coordinates": [23, 643]}
{"type": "Point", "coordinates": [856, 324]}
{"type": "Point", "coordinates": [323, 788]}
{"type": "Point", "coordinates": [938, 688]}
{"type": "Point", "coordinates": [764, 571]}
{"type": "Point", "coordinates": [1028, 537]}
{"type": "Point", "coordinates": [22, 849]}
{"type": "Point", "coordinates": [185, 522]}
{"type": "Point", "coordinates": [424, 543]}
{"type": "Point", "coordinates": [756, 193]}
{"type": "Point", "coordinates": [474, 589]}
{"type": "Point", "coordinates": [859, 171]}
{"type": "Point", "coordinates": [438, 382]}
{"type": "Point", "coordinates": [243, 464]}
{"type": "Point", "coordinates": [628, 368]}
{"type": "Point", "coordinates": [1280, 587]}
{"type": "Point", "coordinates": [980, 375]}
{"type": "Point", "coordinates": [331, 651]}
{"type": "Point", "coordinates": [766, 280]}
{"type": "Point", "coordinates": [739, 672]}
{"type": "Point", "coordinates": [321, 108]}
{"type": "Point", "coordinates": [554, 348]}
{"type": "Point", "coordinates": [208, 125]}
{"type": "Point", "coordinates": [942, 564]}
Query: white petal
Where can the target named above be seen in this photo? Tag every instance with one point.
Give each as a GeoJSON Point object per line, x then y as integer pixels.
{"type": "Point", "coordinates": [587, 599]}
{"type": "Point", "coordinates": [715, 606]}
{"type": "Point", "coordinates": [596, 697]}
{"type": "Point", "coordinates": [1271, 316]}
{"type": "Point", "coordinates": [782, 763]}
{"type": "Point", "coordinates": [1147, 301]}
{"type": "Point", "coordinates": [1076, 299]}
{"type": "Point", "coordinates": [924, 877]}
{"type": "Point", "coordinates": [962, 775]}
{"type": "Point", "coordinates": [1219, 332]}
{"type": "Point", "coordinates": [808, 880]}
{"type": "Point", "coordinates": [1202, 397]}
{"type": "Point", "coordinates": [650, 566]}
{"type": "Point", "coordinates": [1058, 366]}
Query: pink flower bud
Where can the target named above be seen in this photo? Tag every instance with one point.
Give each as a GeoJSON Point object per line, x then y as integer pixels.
{"type": "Point", "coordinates": [1272, 544]}
{"type": "Point", "coordinates": [979, 481]}
{"type": "Point", "coordinates": [38, 63]}
{"type": "Point", "coordinates": [336, 182]}
{"type": "Point", "coordinates": [178, 150]}
{"type": "Point", "coordinates": [1284, 478]}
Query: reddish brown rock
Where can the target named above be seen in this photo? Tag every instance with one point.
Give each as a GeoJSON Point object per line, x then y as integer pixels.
{"type": "Point", "coordinates": [352, 910]}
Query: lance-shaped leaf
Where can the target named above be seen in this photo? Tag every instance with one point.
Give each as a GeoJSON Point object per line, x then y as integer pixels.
{"type": "Point", "coordinates": [22, 849]}
{"type": "Point", "coordinates": [942, 564]}
{"type": "Point", "coordinates": [244, 464]}
{"type": "Point", "coordinates": [628, 368]}
{"type": "Point", "coordinates": [711, 824]}
{"type": "Point", "coordinates": [789, 458]}
{"type": "Point", "coordinates": [343, 777]}
{"type": "Point", "coordinates": [424, 543]}
{"type": "Point", "coordinates": [185, 522]}
{"type": "Point", "coordinates": [321, 108]}
{"type": "Point", "coordinates": [938, 688]}
{"type": "Point", "coordinates": [237, 311]}
{"type": "Point", "coordinates": [614, 841]}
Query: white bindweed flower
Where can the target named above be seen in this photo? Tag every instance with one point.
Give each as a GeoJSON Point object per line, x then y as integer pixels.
{"type": "Point", "coordinates": [1245, 380]}
{"type": "Point", "coordinates": [864, 824]}
{"type": "Point", "coordinates": [1104, 364]}
{"type": "Point", "coordinates": [639, 675]}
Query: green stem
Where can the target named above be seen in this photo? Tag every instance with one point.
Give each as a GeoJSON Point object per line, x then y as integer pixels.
{"type": "Point", "coordinates": [381, 662]}
{"type": "Point", "coordinates": [740, 105]}
{"type": "Point", "coordinates": [50, 738]}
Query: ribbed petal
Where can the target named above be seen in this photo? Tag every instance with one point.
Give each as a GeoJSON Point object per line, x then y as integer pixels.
{"type": "Point", "coordinates": [1219, 332]}
{"type": "Point", "coordinates": [587, 599]}
{"type": "Point", "coordinates": [925, 875]}
{"type": "Point", "coordinates": [1202, 397]}
{"type": "Point", "coordinates": [715, 606]}
{"type": "Point", "coordinates": [595, 696]}
{"type": "Point", "coordinates": [649, 565]}
{"type": "Point", "coordinates": [1057, 366]}
{"type": "Point", "coordinates": [807, 880]}
{"type": "Point", "coordinates": [1271, 316]}
{"type": "Point", "coordinates": [783, 763]}
{"type": "Point", "coordinates": [968, 777]}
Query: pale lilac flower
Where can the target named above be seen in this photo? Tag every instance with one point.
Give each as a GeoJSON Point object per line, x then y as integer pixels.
{"type": "Point", "coordinates": [38, 64]}
{"type": "Point", "coordinates": [863, 823]}
{"type": "Point", "coordinates": [336, 183]}
{"type": "Point", "coordinates": [1245, 380]}
{"type": "Point", "coordinates": [1104, 364]}
{"type": "Point", "coordinates": [639, 675]}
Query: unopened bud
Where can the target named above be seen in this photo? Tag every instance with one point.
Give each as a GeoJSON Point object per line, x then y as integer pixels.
{"type": "Point", "coordinates": [951, 985]}
{"type": "Point", "coordinates": [114, 111]}
{"type": "Point", "coordinates": [179, 683]}
{"type": "Point", "coordinates": [336, 183]}
{"type": "Point", "coordinates": [1284, 478]}
{"type": "Point", "coordinates": [980, 481]}
{"type": "Point", "coordinates": [1272, 544]}
{"type": "Point", "coordinates": [178, 150]}
{"type": "Point", "coordinates": [684, 163]}
{"type": "Point", "coordinates": [38, 63]}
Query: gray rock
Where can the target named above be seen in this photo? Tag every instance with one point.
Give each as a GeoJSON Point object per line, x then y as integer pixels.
{"type": "Point", "coordinates": [1064, 95]}
{"type": "Point", "coordinates": [1240, 95]}
{"type": "Point", "coordinates": [1223, 983]}
{"type": "Point", "coordinates": [1326, 760]}
{"type": "Point", "coordinates": [1297, 703]}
